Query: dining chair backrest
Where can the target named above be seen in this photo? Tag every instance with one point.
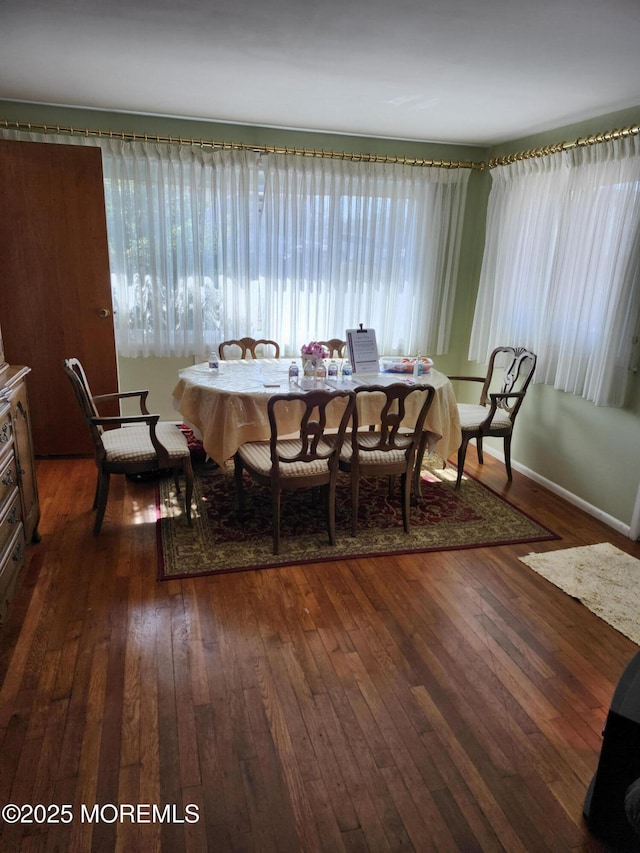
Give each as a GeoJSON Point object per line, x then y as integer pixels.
{"type": "Point", "coordinates": [389, 446]}
{"type": "Point", "coordinates": [74, 370]}
{"type": "Point", "coordinates": [519, 367]}
{"type": "Point", "coordinates": [306, 459]}
{"type": "Point", "coordinates": [248, 347]}
{"type": "Point", "coordinates": [392, 430]}
{"type": "Point", "coordinates": [311, 444]}
{"type": "Point", "coordinates": [80, 384]}
{"type": "Point", "coordinates": [335, 346]}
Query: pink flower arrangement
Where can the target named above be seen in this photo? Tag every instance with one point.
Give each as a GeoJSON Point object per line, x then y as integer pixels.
{"type": "Point", "coordinates": [315, 350]}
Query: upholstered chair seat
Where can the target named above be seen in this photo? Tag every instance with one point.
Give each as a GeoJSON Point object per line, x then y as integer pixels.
{"type": "Point", "coordinates": [133, 444]}
{"type": "Point", "coordinates": [369, 441]}
{"type": "Point", "coordinates": [472, 416]}
{"type": "Point", "coordinates": [257, 455]}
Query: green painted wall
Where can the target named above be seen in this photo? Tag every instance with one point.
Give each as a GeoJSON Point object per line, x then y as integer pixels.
{"type": "Point", "coordinates": [591, 452]}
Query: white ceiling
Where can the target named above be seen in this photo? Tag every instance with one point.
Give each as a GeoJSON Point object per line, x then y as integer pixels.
{"type": "Point", "coordinates": [463, 71]}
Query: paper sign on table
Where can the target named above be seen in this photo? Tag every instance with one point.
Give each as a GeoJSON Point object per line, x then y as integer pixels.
{"type": "Point", "coordinates": [363, 350]}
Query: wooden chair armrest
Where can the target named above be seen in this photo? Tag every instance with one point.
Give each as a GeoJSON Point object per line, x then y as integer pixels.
{"type": "Point", "coordinates": [117, 420]}
{"type": "Point", "coordinates": [495, 398]}
{"type": "Point", "coordinates": [467, 378]}
{"type": "Point", "coordinates": [121, 395]}
{"type": "Point", "coordinates": [505, 395]}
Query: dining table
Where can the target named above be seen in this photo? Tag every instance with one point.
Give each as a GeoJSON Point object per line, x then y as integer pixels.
{"type": "Point", "coordinates": [227, 407]}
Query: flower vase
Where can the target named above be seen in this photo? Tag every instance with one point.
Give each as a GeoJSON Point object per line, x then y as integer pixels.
{"type": "Point", "coordinates": [309, 363]}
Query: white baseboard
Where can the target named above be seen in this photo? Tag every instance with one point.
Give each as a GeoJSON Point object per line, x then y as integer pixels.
{"type": "Point", "coordinates": [609, 520]}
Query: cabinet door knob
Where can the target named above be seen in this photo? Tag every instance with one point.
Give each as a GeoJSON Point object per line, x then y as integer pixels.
{"type": "Point", "coordinates": [103, 313]}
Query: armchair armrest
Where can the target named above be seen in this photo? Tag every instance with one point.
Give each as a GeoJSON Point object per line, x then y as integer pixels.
{"type": "Point", "coordinates": [121, 420]}
{"type": "Point", "coordinates": [496, 399]}
{"type": "Point", "coordinates": [122, 395]}
{"type": "Point", "coordinates": [505, 395]}
{"type": "Point", "coordinates": [502, 397]}
{"type": "Point", "coordinates": [467, 378]}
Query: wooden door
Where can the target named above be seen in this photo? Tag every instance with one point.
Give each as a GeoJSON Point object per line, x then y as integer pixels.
{"type": "Point", "coordinates": [55, 296]}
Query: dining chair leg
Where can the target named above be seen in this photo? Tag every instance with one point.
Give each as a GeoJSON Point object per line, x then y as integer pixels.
{"type": "Point", "coordinates": [405, 484]}
{"type": "Point", "coordinates": [239, 489]}
{"type": "Point", "coordinates": [96, 495]}
{"type": "Point", "coordinates": [355, 498]}
{"type": "Point", "coordinates": [331, 512]}
{"type": "Point", "coordinates": [417, 471]}
{"type": "Point", "coordinates": [275, 497]}
{"type": "Point", "coordinates": [462, 453]}
{"type": "Point", "coordinates": [102, 496]}
{"type": "Point", "coordinates": [188, 488]}
{"type": "Point", "coordinates": [479, 449]}
{"type": "Point", "coordinates": [507, 456]}
{"type": "Point", "coordinates": [391, 485]}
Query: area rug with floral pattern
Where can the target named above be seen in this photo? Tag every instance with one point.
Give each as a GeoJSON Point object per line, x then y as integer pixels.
{"type": "Point", "coordinates": [219, 541]}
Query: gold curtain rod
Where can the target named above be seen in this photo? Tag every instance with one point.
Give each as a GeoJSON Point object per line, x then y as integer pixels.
{"type": "Point", "coordinates": [128, 136]}
{"type": "Point", "coordinates": [581, 142]}
{"type": "Point", "coordinates": [479, 165]}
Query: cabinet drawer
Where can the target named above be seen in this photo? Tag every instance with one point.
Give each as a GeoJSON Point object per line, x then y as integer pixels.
{"type": "Point", "coordinates": [5, 427]}
{"type": "Point", "coordinates": [8, 478]}
{"type": "Point", "coordinates": [9, 519]}
{"type": "Point", "coordinates": [12, 560]}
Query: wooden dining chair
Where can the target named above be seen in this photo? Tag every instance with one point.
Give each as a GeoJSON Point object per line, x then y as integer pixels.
{"type": "Point", "coordinates": [495, 414]}
{"type": "Point", "coordinates": [388, 449]}
{"type": "Point", "coordinates": [129, 445]}
{"type": "Point", "coordinates": [248, 347]}
{"type": "Point", "coordinates": [335, 347]}
{"type": "Point", "coordinates": [308, 461]}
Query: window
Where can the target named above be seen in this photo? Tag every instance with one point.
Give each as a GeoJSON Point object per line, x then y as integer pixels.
{"type": "Point", "coordinates": [206, 246]}
{"type": "Point", "coordinates": [560, 272]}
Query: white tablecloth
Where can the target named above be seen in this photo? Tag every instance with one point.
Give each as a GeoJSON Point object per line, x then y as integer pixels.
{"type": "Point", "coordinates": [229, 408]}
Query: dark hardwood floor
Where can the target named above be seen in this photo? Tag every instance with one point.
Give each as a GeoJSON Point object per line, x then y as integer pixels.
{"type": "Point", "coordinates": [448, 701]}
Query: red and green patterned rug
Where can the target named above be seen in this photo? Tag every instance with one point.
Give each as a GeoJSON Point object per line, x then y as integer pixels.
{"type": "Point", "coordinates": [218, 541]}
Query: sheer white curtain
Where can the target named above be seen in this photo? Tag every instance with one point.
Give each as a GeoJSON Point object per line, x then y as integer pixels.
{"type": "Point", "coordinates": [346, 243]}
{"type": "Point", "coordinates": [560, 272]}
{"type": "Point", "coordinates": [207, 245]}
{"type": "Point", "coordinates": [180, 222]}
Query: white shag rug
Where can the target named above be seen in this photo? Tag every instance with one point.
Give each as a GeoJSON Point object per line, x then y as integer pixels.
{"type": "Point", "coordinates": [604, 578]}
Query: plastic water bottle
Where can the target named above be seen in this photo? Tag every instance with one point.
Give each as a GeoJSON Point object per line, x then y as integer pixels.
{"type": "Point", "coordinates": [214, 364]}
{"type": "Point", "coordinates": [321, 371]}
{"type": "Point", "coordinates": [333, 369]}
{"type": "Point", "coordinates": [417, 368]}
{"type": "Point", "coordinates": [293, 372]}
{"type": "Point", "coordinates": [346, 370]}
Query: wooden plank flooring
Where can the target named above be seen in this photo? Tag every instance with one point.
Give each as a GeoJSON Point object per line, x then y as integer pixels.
{"type": "Point", "coordinates": [450, 701]}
